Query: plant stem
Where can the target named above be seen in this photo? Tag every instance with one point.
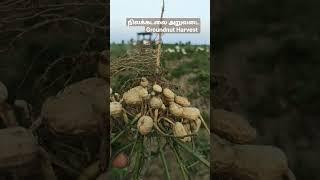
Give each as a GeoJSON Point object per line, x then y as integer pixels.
{"type": "Point", "coordinates": [205, 124]}
{"type": "Point", "coordinates": [193, 164]}
{"type": "Point", "coordinates": [134, 146]}
{"type": "Point", "coordinates": [160, 39]}
{"type": "Point", "coordinates": [124, 148]}
{"type": "Point", "coordinates": [201, 159]}
{"type": "Point", "coordinates": [181, 165]}
{"type": "Point", "coordinates": [164, 161]}
{"type": "Point", "coordinates": [113, 140]}
{"type": "Point", "coordinates": [117, 136]}
{"type": "Point", "coordinates": [138, 159]}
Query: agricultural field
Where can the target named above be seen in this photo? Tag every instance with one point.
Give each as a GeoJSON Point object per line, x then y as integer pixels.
{"type": "Point", "coordinates": [188, 68]}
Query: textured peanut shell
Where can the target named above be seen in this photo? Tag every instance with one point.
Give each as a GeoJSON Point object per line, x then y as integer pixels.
{"type": "Point", "coordinates": [144, 82]}
{"type": "Point", "coordinates": [195, 125]}
{"type": "Point", "coordinates": [187, 127]}
{"type": "Point", "coordinates": [191, 113]}
{"type": "Point", "coordinates": [132, 98]}
{"type": "Point", "coordinates": [145, 124]}
{"type": "Point", "coordinates": [168, 94]}
{"type": "Point", "coordinates": [18, 147]}
{"type": "Point", "coordinates": [232, 127]}
{"type": "Point", "coordinates": [163, 107]}
{"type": "Point", "coordinates": [155, 103]}
{"type": "Point", "coordinates": [248, 162]}
{"type": "Point", "coordinates": [175, 109]}
{"type": "Point", "coordinates": [169, 100]}
{"type": "Point", "coordinates": [94, 89]}
{"type": "Point", "coordinates": [157, 88]}
{"type": "Point", "coordinates": [143, 93]}
{"type": "Point", "coordinates": [135, 96]}
{"type": "Point", "coordinates": [71, 115]}
{"type": "Point", "coordinates": [182, 101]}
{"type": "Point", "coordinates": [115, 109]}
{"type": "Point", "coordinates": [179, 131]}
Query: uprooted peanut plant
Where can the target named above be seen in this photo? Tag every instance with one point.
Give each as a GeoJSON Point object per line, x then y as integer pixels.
{"type": "Point", "coordinates": [150, 118]}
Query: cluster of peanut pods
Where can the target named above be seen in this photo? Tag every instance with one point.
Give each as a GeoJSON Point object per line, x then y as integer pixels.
{"type": "Point", "coordinates": [157, 109]}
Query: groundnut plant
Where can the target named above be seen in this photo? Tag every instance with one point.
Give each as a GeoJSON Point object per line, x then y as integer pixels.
{"type": "Point", "coordinates": [149, 118]}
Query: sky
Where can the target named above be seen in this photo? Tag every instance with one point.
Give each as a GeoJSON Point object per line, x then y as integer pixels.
{"type": "Point", "coordinates": [122, 9]}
